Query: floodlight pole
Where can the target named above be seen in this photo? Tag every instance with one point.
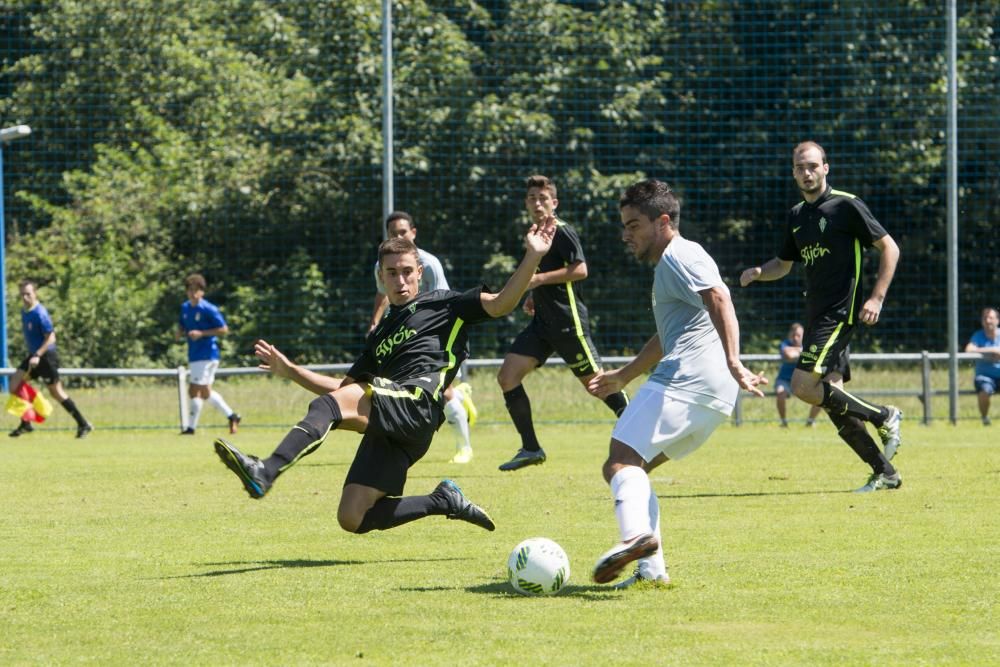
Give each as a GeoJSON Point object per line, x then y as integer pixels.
{"type": "Point", "coordinates": [387, 120]}
{"type": "Point", "coordinates": [7, 135]}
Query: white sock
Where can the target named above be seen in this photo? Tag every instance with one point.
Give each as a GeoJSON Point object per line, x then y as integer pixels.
{"type": "Point", "coordinates": [215, 398]}
{"type": "Point", "coordinates": [195, 412]}
{"type": "Point", "coordinates": [654, 566]}
{"type": "Point", "coordinates": [630, 489]}
{"type": "Point", "coordinates": [455, 414]}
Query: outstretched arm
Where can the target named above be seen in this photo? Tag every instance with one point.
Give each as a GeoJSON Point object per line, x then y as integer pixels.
{"type": "Point", "coordinates": [606, 383]}
{"type": "Point", "coordinates": [274, 361]}
{"type": "Point", "coordinates": [720, 309]}
{"type": "Point", "coordinates": [772, 269]}
{"type": "Point", "coordinates": [537, 242]}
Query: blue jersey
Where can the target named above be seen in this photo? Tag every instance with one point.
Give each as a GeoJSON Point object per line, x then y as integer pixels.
{"type": "Point", "coordinates": [203, 316]}
{"type": "Point", "coordinates": [37, 325]}
{"type": "Point", "coordinates": [985, 366]}
{"type": "Point", "coordinates": [787, 367]}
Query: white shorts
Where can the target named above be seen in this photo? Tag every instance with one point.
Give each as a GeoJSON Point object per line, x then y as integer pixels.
{"type": "Point", "coordinates": [203, 372]}
{"type": "Point", "coordinates": [654, 423]}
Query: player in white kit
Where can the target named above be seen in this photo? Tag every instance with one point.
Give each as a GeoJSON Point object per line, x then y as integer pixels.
{"type": "Point", "coordinates": [693, 388]}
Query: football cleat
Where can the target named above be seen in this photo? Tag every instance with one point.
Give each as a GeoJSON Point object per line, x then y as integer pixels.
{"type": "Point", "coordinates": [881, 482]}
{"type": "Point", "coordinates": [234, 422]}
{"type": "Point", "coordinates": [187, 431]}
{"type": "Point", "coordinates": [614, 560]}
{"type": "Point", "coordinates": [22, 428]}
{"type": "Point", "coordinates": [84, 430]}
{"type": "Point", "coordinates": [888, 432]}
{"type": "Point", "coordinates": [461, 508]}
{"type": "Point", "coordinates": [470, 407]}
{"type": "Point", "coordinates": [249, 469]}
{"type": "Point", "coordinates": [463, 455]}
{"type": "Point", "coordinates": [524, 458]}
{"type": "Point", "coordinates": [642, 581]}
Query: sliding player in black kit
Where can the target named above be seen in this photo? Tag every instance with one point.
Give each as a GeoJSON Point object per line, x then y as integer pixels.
{"type": "Point", "coordinates": [392, 394]}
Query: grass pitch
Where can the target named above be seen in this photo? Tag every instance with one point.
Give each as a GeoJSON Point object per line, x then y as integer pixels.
{"type": "Point", "coordinates": [138, 546]}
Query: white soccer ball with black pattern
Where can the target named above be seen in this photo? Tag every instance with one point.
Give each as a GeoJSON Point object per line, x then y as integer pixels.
{"type": "Point", "coordinates": [538, 566]}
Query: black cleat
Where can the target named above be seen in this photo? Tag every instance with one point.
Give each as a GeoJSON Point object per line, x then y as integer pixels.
{"type": "Point", "coordinates": [234, 422]}
{"type": "Point", "coordinates": [22, 428]}
{"type": "Point", "coordinates": [187, 431]}
{"type": "Point", "coordinates": [524, 458]}
{"type": "Point", "coordinates": [249, 469]}
{"type": "Point", "coordinates": [461, 508]}
{"type": "Point", "coordinates": [614, 560]}
{"type": "Point", "coordinates": [84, 430]}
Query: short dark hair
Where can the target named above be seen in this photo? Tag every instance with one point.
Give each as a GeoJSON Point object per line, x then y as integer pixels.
{"type": "Point", "coordinates": [398, 215]}
{"type": "Point", "coordinates": [195, 281]}
{"type": "Point", "coordinates": [989, 309]}
{"type": "Point", "coordinates": [397, 246]}
{"type": "Point", "coordinates": [27, 281]}
{"type": "Point", "coordinates": [809, 144]}
{"type": "Point", "coordinates": [543, 182]}
{"type": "Point", "coordinates": [652, 198]}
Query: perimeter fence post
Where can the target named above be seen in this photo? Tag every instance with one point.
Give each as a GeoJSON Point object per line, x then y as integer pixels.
{"type": "Point", "coordinates": [182, 398]}
{"type": "Point", "coordinates": [926, 372]}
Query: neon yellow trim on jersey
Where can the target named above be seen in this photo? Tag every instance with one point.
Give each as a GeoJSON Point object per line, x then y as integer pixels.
{"type": "Point", "coordinates": [818, 368]}
{"type": "Point", "coordinates": [843, 194]}
{"type": "Point", "coordinates": [857, 278]}
{"type": "Point", "coordinates": [398, 393]}
{"type": "Point", "coordinates": [578, 326]}
{"type": "Point", "coordinates": [452, 361]}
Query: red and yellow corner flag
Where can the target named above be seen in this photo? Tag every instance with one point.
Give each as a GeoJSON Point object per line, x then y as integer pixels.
{"type": "Point", "coordinates": [27, 404]}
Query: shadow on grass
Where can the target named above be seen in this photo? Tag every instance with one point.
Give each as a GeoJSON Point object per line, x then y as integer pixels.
{"type": "Point", "coordinates": [503, 589]}
{"type": "Point", "coordinates": [243, 567]}
{"type": "Point", "coordinates": [751, 494]}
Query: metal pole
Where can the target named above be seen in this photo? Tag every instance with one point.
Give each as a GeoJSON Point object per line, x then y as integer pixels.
{"type": "Point", "coordinates": [387, 111]}
{"type": "Point", "coordinates": [952, 244]}
{"type": "Point", "coordinates": [7, 134]}
{"type": "Point", "coordinates": [925, 372]}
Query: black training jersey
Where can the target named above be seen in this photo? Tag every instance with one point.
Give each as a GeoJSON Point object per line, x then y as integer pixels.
{"type": "Point", "coordinates": [559, 306]}
{"type": "Point", "coordinates": [829, 237]}
{"type": "Point", "coordinates": [421, 344]}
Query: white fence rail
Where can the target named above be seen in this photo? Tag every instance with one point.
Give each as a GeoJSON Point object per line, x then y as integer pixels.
{"type": "Point", "coordinates": [924, 393]}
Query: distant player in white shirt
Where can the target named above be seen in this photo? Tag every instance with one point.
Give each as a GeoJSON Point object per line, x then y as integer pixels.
{"type": "Point", "coordinates": [693, 388]}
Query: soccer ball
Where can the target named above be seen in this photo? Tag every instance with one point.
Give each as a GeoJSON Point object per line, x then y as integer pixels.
{"type": "Point", "coordinates": [538, 566]}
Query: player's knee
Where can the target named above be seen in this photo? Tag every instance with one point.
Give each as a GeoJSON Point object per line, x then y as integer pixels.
{"type": "Point", "coordinates": [349, 519]}
{"type": "Point", "coordinates": [323, 411]}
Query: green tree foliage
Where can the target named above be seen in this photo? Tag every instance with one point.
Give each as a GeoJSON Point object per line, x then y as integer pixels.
{"type": "Point", "coordinates": [243, 139]}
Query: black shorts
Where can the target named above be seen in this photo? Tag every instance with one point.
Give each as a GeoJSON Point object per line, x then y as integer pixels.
{"type": "Point", "coordinates": [825, 347]}
{"type": "Point", "coordinates": [47, 368]}
{"type": "Point", "coordinates": [576, 348]}
{"type": "Point", "coordinates": [400, 429]}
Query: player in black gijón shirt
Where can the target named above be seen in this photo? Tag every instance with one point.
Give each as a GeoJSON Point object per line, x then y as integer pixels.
{"type": "Point", "coordinates": [828, 233]}
{"type": "Point", "coordinates": [558, 324]}
{"type": "Point", "coordinates": [393, 394]}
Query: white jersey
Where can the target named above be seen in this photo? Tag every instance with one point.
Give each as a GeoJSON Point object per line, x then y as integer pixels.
{"type": "Point", "coordinates": [432, 278]}
{"type": "Point", "coordinates": [693, 368]}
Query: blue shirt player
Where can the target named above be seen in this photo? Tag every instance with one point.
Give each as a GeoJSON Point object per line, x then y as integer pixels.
{"type": "Point", "coordinates": [790, 349]}
{"type": "Point", "coordinates": [42, 361]}
{"type": "Point", "coordinates": [201, 323]}
{"type": "Point", "coordinates": [986, 341]}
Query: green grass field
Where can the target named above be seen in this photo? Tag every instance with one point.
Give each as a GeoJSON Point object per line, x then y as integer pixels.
{"type": "Point", "coordinates": [138, 546]}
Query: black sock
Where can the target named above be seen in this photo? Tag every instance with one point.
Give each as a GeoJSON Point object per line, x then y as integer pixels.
{"type": "Point", "coordinates": [852, 431]}
{"type": "Point", "coordinates": [836, 400]}
{"type": "Point", "coordinates": [391, 512]}
{"type": "Point", "coordinates": [519, 407]}
{"type": "Point", "coordinates": [73, 410]}
{"type": "Point", "coordinates": [306, 436]}
{"type": "Point", "coordinates": [617, 401]}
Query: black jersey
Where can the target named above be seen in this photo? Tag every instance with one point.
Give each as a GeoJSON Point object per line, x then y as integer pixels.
{"type": "Point", "coordinates": [829, 237]}
{"type": "Point", "coordinates": [422, 343]}
{"type": "Point", "coordinates": [559, 306]}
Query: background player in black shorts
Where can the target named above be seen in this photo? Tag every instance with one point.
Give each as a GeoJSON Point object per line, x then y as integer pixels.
{"type": "Point", "coordinates": [828, 233]}
{"type": "Point", "coordinates": [558, 324]}
{"type": "Point", "coordinates": [393, 393]}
